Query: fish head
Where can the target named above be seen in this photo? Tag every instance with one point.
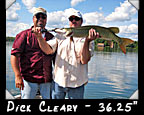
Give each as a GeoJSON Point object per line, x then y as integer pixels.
{"type": "Point", "coordinates": [60, 30]}
{"type": "Point", "coordinates": [66, 31]}
{"type": "Point", "coordinates": [69, 32]}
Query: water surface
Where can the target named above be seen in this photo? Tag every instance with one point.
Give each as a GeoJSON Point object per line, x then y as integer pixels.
{"type": "Point", "coordinates": [111, 75]}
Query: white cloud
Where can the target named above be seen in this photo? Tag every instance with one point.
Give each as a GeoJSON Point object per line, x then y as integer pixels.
{"type": "Point", "coordinates": [58, 18]}
{"type": "Point", "coordinates": [13, 29]}
{"type": "Point", "coordinates": [100, 8]}
{"type": "Point", "coordinates": [29, 4]}
{"type": "Point", "coordinates": [122, 13]}
{"type": "Point", "coordinates": [75, 2]}
{"type": "Point", "coordinates": [94, 18]}
{"type": "Point", "coordinates": [133, 28]}
{"type": "Point", "coordinates": [130, 31]}
{"type": "Point", "coordinates": [11, 14]}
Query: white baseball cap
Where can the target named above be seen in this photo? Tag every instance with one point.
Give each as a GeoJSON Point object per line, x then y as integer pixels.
{"type": "Point", "coordinates": [39, 10]}
{"type": "Point", "coordinates": [75, 13]}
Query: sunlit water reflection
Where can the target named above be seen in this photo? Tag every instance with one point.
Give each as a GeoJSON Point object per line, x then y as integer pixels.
{"type": "Point", "coordinates": [111, 75]}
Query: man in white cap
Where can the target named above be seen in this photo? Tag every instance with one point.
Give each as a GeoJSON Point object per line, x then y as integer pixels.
{"type": "Point", "coordinates": [32, 67]}
{"type": "Point", "coordinates": [71, 64]}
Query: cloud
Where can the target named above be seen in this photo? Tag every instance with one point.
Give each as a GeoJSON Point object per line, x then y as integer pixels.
{"type": "Point", "coordinates": [133, 28]}
{"type": "Point", "coordinates": [100, 8]}
{"type": "Point", "coordinates": [130, 31]}
{"type": "Point", "coordinates": [29, 4]}
{"type": "Point", "coordinates": [13, 29]}
{"type": "Point", "coordinates": [75, 2]}
{"type": "Point", "coordinates": [94, 18]}
{"type": "Point", "coordinates": [122, 13]}
{"type": "Point", "coordinates": [58, 18]}
{"type": "Point", "coordinates": [11, 14]}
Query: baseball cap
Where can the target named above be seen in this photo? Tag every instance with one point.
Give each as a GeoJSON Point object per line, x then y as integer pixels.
{"type": "Point", "coordinates": [75, 13]}
{"type": "Point", "coordinates": [39, 10]}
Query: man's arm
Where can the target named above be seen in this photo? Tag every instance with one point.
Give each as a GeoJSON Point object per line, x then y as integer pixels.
{"type": "Point", "coordinates": [45, 47]}
{"type": "Point", "coordinates": [85, 54]}
{"type": "Point", "coordinates": [15, 65]}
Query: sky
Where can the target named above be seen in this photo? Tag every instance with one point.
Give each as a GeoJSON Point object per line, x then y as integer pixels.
{"type": "Point", "coordinates": [106, 13]}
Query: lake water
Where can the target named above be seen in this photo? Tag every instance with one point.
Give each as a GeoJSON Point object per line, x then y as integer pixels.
{"type": "Point", "coordinates": [112, 75]}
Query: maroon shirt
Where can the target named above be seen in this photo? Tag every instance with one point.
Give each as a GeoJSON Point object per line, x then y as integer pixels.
{"type": "Point", "coordinates": [35, 65]}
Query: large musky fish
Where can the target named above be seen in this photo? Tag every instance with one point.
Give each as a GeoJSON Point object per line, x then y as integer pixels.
{"type": "Point", "coordinates": [105, 33]}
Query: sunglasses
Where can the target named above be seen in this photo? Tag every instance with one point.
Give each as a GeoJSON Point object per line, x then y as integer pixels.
{"type": "Point", "coordinates": [75, 18]}
{"type": "Point", "coordinates": [38, 16]}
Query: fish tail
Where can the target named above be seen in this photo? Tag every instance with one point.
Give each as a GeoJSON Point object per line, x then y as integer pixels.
{"type": "Point", "coordinates": [125, 42]}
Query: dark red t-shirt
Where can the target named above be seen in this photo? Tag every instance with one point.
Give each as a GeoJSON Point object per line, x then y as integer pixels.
{"type": "Point", "coordinates": [35, 65]}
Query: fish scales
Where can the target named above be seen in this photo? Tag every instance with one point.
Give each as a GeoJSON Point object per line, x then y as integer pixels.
{"type": "Point", "coordinates": [105, 33]}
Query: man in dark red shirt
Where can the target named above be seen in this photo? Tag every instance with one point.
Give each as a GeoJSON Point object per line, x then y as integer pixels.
{"type": "Point", "coordinates": [32, 67]}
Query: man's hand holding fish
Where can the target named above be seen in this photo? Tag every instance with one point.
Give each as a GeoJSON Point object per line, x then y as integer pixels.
{"type": "Point", "coordinates": [92, 35]}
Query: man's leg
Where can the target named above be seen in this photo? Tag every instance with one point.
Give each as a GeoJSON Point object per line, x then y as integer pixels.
{"type": "Point", "coordinates": [45, 89]}
{"type": "Point", "coordinates": [58, 92]}
{"type": "Point", "coordinates": [29, 91]}
{"type": "Point", "coordinates": [76, 93]}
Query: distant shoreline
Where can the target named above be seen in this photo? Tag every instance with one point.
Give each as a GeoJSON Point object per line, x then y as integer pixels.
{"type": "Point", "coordinates": [106, 45]}
{"type": "Point", "coordinates": [10, 39]}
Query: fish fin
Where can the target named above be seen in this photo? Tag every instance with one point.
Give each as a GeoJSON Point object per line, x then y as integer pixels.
{"type": "Point", "coordinates": [114, 29]}
{"type": "Point", "coordinates": [69, 33]}
{"type": "Point", "coordinates": [125, 42]}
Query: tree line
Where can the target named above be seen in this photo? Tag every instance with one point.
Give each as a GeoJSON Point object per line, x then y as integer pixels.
{"type": "Point", "coordinates": [105, 42]}
{"type": "Point", "coordinates": [10, 39]}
